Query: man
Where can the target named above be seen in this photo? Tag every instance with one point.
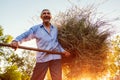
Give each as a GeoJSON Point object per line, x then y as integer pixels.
{"type": "Point", "coordinates": [46, 38]}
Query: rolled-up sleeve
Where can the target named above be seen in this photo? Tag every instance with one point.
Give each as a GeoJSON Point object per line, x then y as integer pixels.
{"type": "Point", "coordinates": [26, 36]}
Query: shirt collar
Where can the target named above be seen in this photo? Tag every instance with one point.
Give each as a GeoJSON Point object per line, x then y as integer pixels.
{"type": "Point", "coordinates": [41, 25]}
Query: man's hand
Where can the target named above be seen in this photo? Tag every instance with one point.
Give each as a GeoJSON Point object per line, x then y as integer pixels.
{"type": "Point", "coordinates": [14, 44]}
{"type": "Point", "coordinates": [66, 53]}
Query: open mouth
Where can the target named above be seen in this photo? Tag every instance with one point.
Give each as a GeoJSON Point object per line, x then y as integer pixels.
{"type": "Point", "coordinates": [47, 18]}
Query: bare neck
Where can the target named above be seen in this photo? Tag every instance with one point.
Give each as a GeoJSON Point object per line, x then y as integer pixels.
{"type": "Point", "coordinates": [47, 25]}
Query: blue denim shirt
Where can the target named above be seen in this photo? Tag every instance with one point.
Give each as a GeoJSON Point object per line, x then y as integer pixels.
{"type": "Point", "coordinates": [44, 40]}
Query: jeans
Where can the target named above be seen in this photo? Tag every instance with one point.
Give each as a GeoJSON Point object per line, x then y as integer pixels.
{"type": "Point", "coordinates": [54, 66]}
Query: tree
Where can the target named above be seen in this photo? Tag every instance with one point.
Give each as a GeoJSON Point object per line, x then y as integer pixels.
{"type": "Point", "coordinates": [14, 66]}
{"type": "Point", "coordinates": [7, 72]}
{"type": "Point", "coordinates": [28, 61]}
{"type": "Point", "coordinates": [11, 73]}
{"type": "Point", "coordinates": [3, 39]}
{"type": "Point", "coordinates": [114, 58]}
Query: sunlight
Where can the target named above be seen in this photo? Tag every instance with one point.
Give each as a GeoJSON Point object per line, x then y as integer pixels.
{"type": "Point", "coordinates": [83, 77]}
{"type": "Point", "coordinates": [87, 78]}
{"type": "Point", "coordinates": [107, 77]}
{"type": "Point", "coordinates": [90, 77]}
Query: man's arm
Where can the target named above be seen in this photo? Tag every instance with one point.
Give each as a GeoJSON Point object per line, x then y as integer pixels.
{"type": "Point", "coordinates": [28, 35]}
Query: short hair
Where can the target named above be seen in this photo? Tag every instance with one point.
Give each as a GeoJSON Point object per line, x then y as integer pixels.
{"type": "Point", "coordinates": [44, 10]}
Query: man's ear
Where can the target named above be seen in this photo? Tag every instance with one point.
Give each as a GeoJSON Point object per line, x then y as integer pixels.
{"type": "Point", "coordinates": [40, 17]}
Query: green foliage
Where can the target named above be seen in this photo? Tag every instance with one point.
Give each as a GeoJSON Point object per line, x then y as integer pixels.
{"type": "Point", "coordinates": [15, 66]}
{"type": "Point", "coordinates": [114, 57]}
{"type": "Point", "coordinates": [25, 76]}
{"type": "Point", "coordinates": [4, 38]}
{"type": "Point", "coordinates": [23, 63]}
{"type": "Point", "coordinates": [15, 59]}
{"type": "Point", "coordinates": [11, 73]}
{"type": "Point", "coordinates": [28, 62]}
{"type": "Point", "coordinates": [7, 38]}
{"type": "Point", "coordinates": [85, 40]}
{"type": "Point", "coordinates": [1, 31]}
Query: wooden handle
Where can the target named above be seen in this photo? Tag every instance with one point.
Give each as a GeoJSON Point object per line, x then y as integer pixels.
{"type": "Point", "coordinates": [30, 48]}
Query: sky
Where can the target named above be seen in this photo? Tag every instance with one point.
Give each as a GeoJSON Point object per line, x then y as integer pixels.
{"type": "Point", "coordinates": [16, 15]}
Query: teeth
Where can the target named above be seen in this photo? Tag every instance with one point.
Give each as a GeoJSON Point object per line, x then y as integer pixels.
{"type": "Point", "coordinates": [46, 18]}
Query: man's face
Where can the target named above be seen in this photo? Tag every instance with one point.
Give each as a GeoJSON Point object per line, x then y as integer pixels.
{"type": "Point", "coordinates": [46, 16]}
